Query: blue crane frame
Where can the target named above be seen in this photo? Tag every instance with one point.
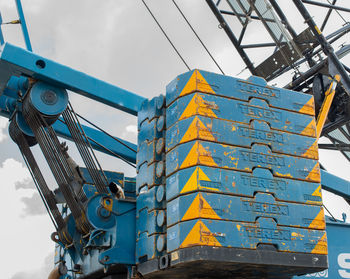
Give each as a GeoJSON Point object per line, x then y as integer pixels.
{"type": "Point", "coordinates": [16, 62]}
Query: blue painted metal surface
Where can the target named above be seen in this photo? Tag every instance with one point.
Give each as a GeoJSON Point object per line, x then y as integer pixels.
{"type": "Point", "coordinates": [233, 208]}
{"type": "Point", "coordinates": [47, 99]}
{"type": "Point", "coordinates": [17, 61]}
{"type": "Point", "coordinates": [245, 235]}
{"type": "Point", "coordinates": [240, 134]}
{"type": "Point", "coordinates": [240, 111]}
{"type": "Point", "coordinates": [226, 86]}
{"type": "Point", "coordinates": [148, 222]}
{"type": "Point", "coordinates": [335, 184]}
{"type": "Point", "coordinates": [147, 199]}
{"type": "Point", "coordinates": [16, 86]}
{"type": "Point", "coordinates": [232, 182]}
{"type": "Point", "coordinates": [2, 41]}
{"type": "Point", "coordinates": [338, 252]}
{"type": "Point", "coordinates": [150, 109]}
{"type": "Point", "coordinates": [98, 140]}
{"type": "Point", "coordinates": [147, 247]}
{"type": "Point", "coordinates": [239, 158]}
{"type": "Point", "coordinates": [23, 25]}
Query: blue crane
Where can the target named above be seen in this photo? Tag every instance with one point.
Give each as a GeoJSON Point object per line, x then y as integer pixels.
{"type": "Point", "coordinates": [209, 131]}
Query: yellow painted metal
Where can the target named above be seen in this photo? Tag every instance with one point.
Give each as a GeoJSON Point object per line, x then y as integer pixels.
{"type": "Point", "coordinates": [322, 116]}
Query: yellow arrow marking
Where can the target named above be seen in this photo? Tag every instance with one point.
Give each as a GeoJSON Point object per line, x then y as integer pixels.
{"type": "Point", "coordinates": [317, 192]}
{"type": "Point", "coordinates": [198, 155]}
{"type": "Point", "coordinates": [321, 246]}
{"type": "Point", "coordinates": [310, 129]}
{"type": "Point", "coordinates": [198, 106]}
{"type": "Point", "coordinates": [194, 182]}
{"type": "Point", "coordinates": [200, 208]}
{"type": "Point", "coordinates": [319, 221]}
{"type": "Point", "coordinates": [197, 130]}
{"type": "Point", "coordinates": [312, 152]}
{"type": "Point", "coordinates": [315, 174]}
{"type": "Point", "coordinates": [196, 83]}
{"type": "Point", "coordinates": [309, 107]}
{"type": "Point", "coordinates": [200, 235]}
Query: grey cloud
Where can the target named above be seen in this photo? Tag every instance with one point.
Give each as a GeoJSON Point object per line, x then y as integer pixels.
{"type": "Point", "coordinates": [26, 184]}
{"type": "Point", "coordinates": [41, 273]}
{"type": "Point", "coordinates": [33, 205]}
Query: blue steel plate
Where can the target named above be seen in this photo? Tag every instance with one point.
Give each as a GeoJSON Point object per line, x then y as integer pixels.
{"type": "Point", "coordinates": [47, 99]}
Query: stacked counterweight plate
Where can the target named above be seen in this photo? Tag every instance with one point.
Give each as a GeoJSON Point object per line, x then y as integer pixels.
{"type": "Point", "coordinates": [150, 189]}
{"type": "Point", "coordinates": [242, 182]}
{"type": "Point", "coordinates": [242, 177]}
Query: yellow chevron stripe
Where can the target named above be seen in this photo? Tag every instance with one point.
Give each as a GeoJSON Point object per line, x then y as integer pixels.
{"type": "Point", "coordinates": [309, 107]}
{"type": "Point", "coordinates": [197, 130]}
{"type": "Point", "coordinates": [319, 222]}
{"type": "Point", "coordinates": [197, 83]}
{"type": "Point", "coordinates": [310, 129]}
{"type": "Point", "coordinates": [315, 174]}
{"type": "Point", "coordinates": [198, 155]}
{"type": "Point", "coordinates": [321, 247]}
{"type": "Point", "coordinates": [312, 152]}
{"type": "Point", "coordinates": [198, 106]}
{"type": "Point", "coordinates": [200, 208]}
{"type": "Point", "coordinates": [194, 181]}
{"type": "Point", "coordinates": [200, 235]}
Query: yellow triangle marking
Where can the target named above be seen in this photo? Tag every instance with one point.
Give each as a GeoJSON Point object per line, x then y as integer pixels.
{"type": "Point", "coordinates": [197, 83]}
{"type": "Point", "coordinates": [309, 107]}
{"type": "Point", "coordinates": [197, 106]}
{"type": "Point", "coordinates": [310, 129]}
{"type": "Point", "coordinates": [315, 174]}
{"type": "Point", "coordinates": [200, 208]}
{"type": "Point", "coordinates": [312, 152]}
{"type": "Point", "coordinates": [321, 246]}
{"type": "Point", "coordinates": [197, 130]}
{"type": "Point", "coordinates": [200, 235]}
{"type": "Point", "coordinates": [198, 155]}
{"type": "Point", "coordinates": [192, 183]}
{"type": "Point", "coordinates": [319, 222]}
{"type": "Point", "coordinates": [317, 192]}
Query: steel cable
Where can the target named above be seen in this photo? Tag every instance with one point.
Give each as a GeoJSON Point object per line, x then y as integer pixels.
{"type": "Point", "coordinates": [199, 39]}
{"type": "Point", "coordinates": [85, 150]}
{"type": "Point", "coordinates": [166, 36]}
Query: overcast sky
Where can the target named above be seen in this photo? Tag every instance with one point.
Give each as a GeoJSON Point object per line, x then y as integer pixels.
{"type": "Point", "coordinates": [117, 41]}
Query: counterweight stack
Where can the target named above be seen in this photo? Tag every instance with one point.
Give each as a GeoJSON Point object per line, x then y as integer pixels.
{"type": "Point", "coordinates": [243, 193]}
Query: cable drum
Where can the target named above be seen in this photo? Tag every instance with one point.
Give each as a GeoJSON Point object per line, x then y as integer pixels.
{"type": "Point", "coordinates": [47, 100]}
{"type": "Point", "coordinates": [18, 125]}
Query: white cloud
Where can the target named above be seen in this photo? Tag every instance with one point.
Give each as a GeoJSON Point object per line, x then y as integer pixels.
{"type": "Point", "coordinates": [40, 273]}
{"type": "Point", "coordinates": [31, 234]}
{"type": "Point", "coordinates": [33, 205]}
{"type": "Point", "coordinates": [131, 129]}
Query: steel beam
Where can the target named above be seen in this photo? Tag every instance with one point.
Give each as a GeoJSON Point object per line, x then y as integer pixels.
{"type": "Point", "coordinates": [23, 25]}
{"type": "Point", "coordinates": [326, 47]}
{"type": "Point", "coordinates": [98, 139]}
{"type": "Point", "coordinates": [335, 184]}
{"type": "Point", "coordinates": [224, 12]}
{"type": "Point", "coordinates": [17, 61]}
{"type": "Point", "coordinates": [330, 6]}
{"type": "Point", "coordinates": [231, 36]}
{"type": "Point", "coordinates": [327, 16]}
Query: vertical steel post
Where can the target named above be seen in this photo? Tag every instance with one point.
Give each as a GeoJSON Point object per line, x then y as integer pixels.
{"type": "Point", "coordinates": [23, 25]}
{"type": "Point", "coordinates": [1, 35]}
